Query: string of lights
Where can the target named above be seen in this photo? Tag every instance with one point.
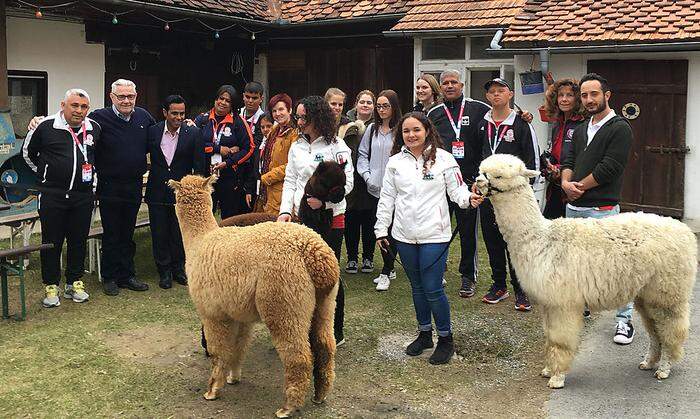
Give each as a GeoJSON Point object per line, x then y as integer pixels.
{"type": "Point", "coordinates": [117, 14]}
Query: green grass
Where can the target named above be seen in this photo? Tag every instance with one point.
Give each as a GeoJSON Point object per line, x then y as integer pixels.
{"type": "Point", "coordinates": [137, 355]}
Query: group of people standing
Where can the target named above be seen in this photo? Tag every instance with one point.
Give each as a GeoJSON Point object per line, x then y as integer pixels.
{"type": "Point", "coordinates": [406, 175]}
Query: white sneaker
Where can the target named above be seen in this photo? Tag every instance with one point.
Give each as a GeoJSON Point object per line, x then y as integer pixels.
{"type": "Point", "coordinates": [392, 276]}
{"type": "Point", "coordinates": [444, 281]}
{"type": "Point", "coordinates": [51, 299]}
{"type": "Point", "coordinates": [383, 283]}
{"type": "Point", "coordinates": [76, 292]}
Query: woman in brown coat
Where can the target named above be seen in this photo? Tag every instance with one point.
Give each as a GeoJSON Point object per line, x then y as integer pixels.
{"type": "Point", "coordinates": [273, 152]}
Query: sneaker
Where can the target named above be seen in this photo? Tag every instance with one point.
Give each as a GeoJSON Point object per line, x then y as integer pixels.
{"type": "Point", "coordinates": [392, 276]}
{"type": "Point", "coordinates": [368, 267]}
{"type": "Point", "coordinates": [51, 299]}
{"type": "Point", "coordinates": [383, 283]}
{"type": "Point", "coordinates": [522, 303]}
{"type": "Point", "coordinates": [339, 341]}
{"type": "Point", "coordinates": [468, 288]}
{"type": "Point", "coordinates": [351, 267]}
{"type": "Point", "coordinates": [423, 341]}
{"type": "Point", "coordinates": [494, 296]}
{"type": "Point", "coordinates": [444, 281]}
{"type": "Point", "coordinates": [76, 292]}
{"type": "Point", "coordinates": [624, 333]}
{"type": "Point", "coordinates": [443, 351]}
{"type": "Point", "coordinates": [586, 314]}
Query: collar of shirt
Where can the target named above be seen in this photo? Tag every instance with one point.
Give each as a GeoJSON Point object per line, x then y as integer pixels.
{"type": "Point", "coordinates": [169, 134]}
{"type": "Point", "coordinates": [120, 115]}
{"type": "Point", "coordinates": [255, 117]}
{"type": "Point", "coordinates": [593, 128]}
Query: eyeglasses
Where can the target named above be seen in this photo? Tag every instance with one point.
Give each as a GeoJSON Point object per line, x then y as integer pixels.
{"type": "Point", "coordinates": [122, 98]}
{"type": "Point", "coordinates": [298, 117]}
{"type": "Point", "coordinates": [384, 106]}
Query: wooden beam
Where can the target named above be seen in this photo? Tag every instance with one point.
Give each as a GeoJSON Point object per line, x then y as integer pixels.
{"type": "Point", "coordinates": [4, 100]}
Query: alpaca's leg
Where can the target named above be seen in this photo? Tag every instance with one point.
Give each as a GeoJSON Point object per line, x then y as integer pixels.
{"type": "Point", "coordinates": [289, 326]}
{"type": "Point", "coordinates": [239, 345]}
{"type": "Point", "coordinates": [564, 327]}
{"type": "Point", "coordinates": [218, 342]}
{"type": "Point", "coordinates": [672, 328]}
{"type": "Point", "coordinates": [651, 359]}
{"type": "Point", "coordinates": [547, 370]}
{"type": "Point", "coordinates": [323, 346]}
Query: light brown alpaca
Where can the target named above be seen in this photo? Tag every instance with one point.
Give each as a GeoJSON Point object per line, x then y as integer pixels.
{"type": "Point", "coordinates": [281, 273]}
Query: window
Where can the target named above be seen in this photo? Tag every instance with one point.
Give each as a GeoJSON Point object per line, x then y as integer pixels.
{"type": "Point", "coordinates": [478, 46]}
{"type": "Point", "coordinates": [443, 48]}
{"type": "Point", "coordinates": [28, 91]}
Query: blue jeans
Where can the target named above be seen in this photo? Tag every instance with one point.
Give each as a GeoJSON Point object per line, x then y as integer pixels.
{"type": "Point", "coordinates": [624, 314]}
{"type": "Point", "coordinates": [425, 265]}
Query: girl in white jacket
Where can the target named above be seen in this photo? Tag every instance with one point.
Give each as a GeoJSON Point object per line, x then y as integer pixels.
{"type": "Point", "coordinates": [418, 177]}
{"type": "Point", "coordinates": [318, 143]}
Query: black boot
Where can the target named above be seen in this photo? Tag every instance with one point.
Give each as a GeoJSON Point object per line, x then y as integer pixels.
{"type": "Point", "coordinates": [444, 350]}
{"type": "Point", "coordinates": [422, 342]}
{"type": "Point", "coordinates": [166, 280]}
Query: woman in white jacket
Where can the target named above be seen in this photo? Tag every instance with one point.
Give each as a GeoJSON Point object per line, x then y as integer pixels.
{"type": "Point", "coordinates": [318, 143]}
{"type": "Point", "coordinates": [418, 177]}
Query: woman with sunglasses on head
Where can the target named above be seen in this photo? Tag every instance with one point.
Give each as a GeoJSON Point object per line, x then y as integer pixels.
{"type": "Point", "coordinates": [228, 145]}
{"type": "Point", "coordinates": [359, 215]}
{"type": "Point", "coordinates": [317, 122]}
{"type": "Point", "coordinates": [373, 155]}
{"type": "Point", "coordinates": [563, 105]}
{"type": "Point", "coordinates": [273, 154]}
{"type": "Point", "coordinates": [419, 177]}
{"type": "Point", "coordinates": [428, 93]}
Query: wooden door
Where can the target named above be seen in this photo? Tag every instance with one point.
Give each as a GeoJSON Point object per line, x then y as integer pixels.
{"type": "Point", "coordinates": [652, 96]}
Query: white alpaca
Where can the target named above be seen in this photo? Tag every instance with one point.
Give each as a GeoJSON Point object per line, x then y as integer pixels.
{"type": "Point", "coordinates": [565, 264]}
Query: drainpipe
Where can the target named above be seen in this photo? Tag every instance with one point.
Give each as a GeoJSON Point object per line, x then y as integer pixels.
{"type": "Point", "coordinates": [496, 39]}
{"type": "Point", "coordinates": [544, 61]}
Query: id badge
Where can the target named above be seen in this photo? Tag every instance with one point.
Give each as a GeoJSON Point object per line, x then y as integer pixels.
{"type": "Point", "coordinates": [87, 172]}
{"type": "Point", "coordinates": [458, 149]}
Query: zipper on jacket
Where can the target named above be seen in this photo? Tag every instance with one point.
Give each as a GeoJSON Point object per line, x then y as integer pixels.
{"type": "Point", "coordinates": [75, 163]}
{"type": "Point", "coordinates": [46, 169]}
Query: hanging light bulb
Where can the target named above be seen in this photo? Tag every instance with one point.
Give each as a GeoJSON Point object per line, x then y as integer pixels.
{"type": "Point", "coordinates": [167, 26]}
{"type": "Point", "coordinates": [114, 20]}
{"type": "Point", "coordinates": [252, 36]}
{"type": "Point", "coordinates": [216, 35]}
{"type": "Point", "coordinates": [38, 14]}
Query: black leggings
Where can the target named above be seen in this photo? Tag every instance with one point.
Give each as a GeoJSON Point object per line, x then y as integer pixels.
{"type": "Point", "coordinates": [359, 223]}
{"type": "Point", "coordinates": [387, 258]}
{"type": "Point", "coordinates": [334, 239]}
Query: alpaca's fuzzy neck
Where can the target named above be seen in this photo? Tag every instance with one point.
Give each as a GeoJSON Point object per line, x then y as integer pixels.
{"type": "Point", "coordinates": [518, 217]}
{"type": "Point", "coordinates": [195, 221]}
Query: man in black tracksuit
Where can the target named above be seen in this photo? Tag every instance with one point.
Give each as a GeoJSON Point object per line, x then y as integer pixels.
{"type": "Point", "coordinates": [456, 121]}
{"type": "Point", "coordinates": [61, 151]}
{"type": "Point", "coordinates": [503, 131]}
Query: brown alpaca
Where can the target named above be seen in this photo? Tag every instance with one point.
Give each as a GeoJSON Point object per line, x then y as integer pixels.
{"type": "Point", "coordinates": [281, 273]}
{"type": "Point", "coordinates": [246, 220]}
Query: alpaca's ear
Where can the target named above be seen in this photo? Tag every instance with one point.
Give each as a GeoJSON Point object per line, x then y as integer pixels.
{"type": "Point", "coordinates": [210, 181]}
{"type": "Point", "coordinates": [174, 184]}
{"type": "Point", "coordinates": [530, 173]}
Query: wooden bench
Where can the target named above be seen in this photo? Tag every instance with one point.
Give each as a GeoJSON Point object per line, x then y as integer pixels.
{"type": "Point", "coordinates": [95, 246]}
{"type": "Point", "coordinates": [16, 268]}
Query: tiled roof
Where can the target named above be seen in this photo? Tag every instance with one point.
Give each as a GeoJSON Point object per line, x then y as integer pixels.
{"type": "Point", "coordinates": [297, 11]}
{"type": "Point", "coordinates": [576, 21]}
{"type": "Point", "coordinates": [428, 15]}
{"type": "Point", "coordinates": [251, 9]}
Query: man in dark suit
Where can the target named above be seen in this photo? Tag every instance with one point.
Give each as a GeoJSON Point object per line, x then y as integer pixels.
{"type": "Point", "coordinates": [176, 150]}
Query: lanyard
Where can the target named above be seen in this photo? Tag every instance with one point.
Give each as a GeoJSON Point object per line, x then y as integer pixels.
{"type": "Point", "coordinates": [216, 136]}
{"type": "Point", "coordinates": [495, 140]}
{"type": "Point", "coordinates": [458, 126]}
{"type": "Point", "coordinates": [82, 147]}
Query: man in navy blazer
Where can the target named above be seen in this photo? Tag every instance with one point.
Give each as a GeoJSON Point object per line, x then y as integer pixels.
{"type": "Point", "coordinates": [176, 151]}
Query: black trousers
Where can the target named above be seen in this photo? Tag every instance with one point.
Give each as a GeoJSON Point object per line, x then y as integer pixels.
{"type": "Point", "coordinates": [497, 249]}
{"type": "Point", "coordinates": [360, 224]}
{"type": "Point", "coordinates": [168, 251]}
{"type": "Point", "coordinates": [119, 206]}
{"type": "Point", "coordinates": [388, 259]}
{"type": "Point", "coordinates": [229, 197]}
{"type": "Point", "coordinates": [64, 219]}
{"type": "Point", "coordinates": [334, 239]}
{"type": "Point", "coordinates": [468, 231]}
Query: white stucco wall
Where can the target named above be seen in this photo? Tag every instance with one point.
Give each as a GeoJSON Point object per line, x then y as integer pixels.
{"type": "Point", "coordinates": [59, 48]}
{"type": "Point", "coordinates": [575, 65]}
